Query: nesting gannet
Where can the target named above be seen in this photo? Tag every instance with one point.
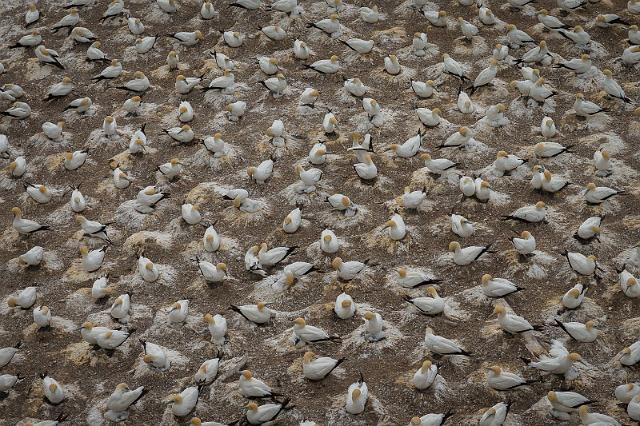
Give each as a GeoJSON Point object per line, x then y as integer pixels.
{"type": "Point", "coordinates": [357, 395]}
{"type": "Point", "coordinates": [329, 25]}
{"type": "Point", "coordinates": [423, 89]}
{"type": "Point", "coordinates": [131, 105]}
{"type": "Point", "coordinates": [355, 87]}
{"type": "Point", "coordinates": [441, 345]}
{"type": "Point", "coordinates": [348, 270]}
{"type": "Point", "coordinates": [217, 325]}
{"type": "Point", "coordinates": [497, 287]}
{"type": "Point", "coordinates": [532, 214]}
{"type": "Point", "coordinates": [100, 288]}
{"type": "Point", "coordinates": [178, 311]}
{"type": "Point", "coordinates": [602, 163]}
{"type": "Point", "coordinates": [506, 163]}
{"type": "Point", "coordinates": [251, 387]}
{"type": "Point", "coordinates": [111, 339]}
{"type": "Point", "coordinates": [595, 419]}
{"type": "Point", "coordinates": [599, 194]}
{"type": "Point", "coordinates": [567, 402]}
{"type": "Point", "coordinates": [112, 71]}
{"type": "Point", "coordinates": [631, 55]}
{"type": "Point", "coordinates": [612, 88]}
{"type": "Point", "coordinates": [7, 354]}
{"type": "Point", "coordinates": [309, 333]}
{"type": "Point", "coordinates": [147, 199]}
{"type": "Point", "coordinates": [326, 66]}
{"type": "Point", "coordinates": [624, 393]}
{"type": "Point", "coordinates": [628, 284]}
{"type": "Point", "coordinates": [573, 298]}
{"type": "Point", "coordinates": [461, 226]}
{"type": "Point", "coordinates": [374, 326]}
{"type": "Point", "coordinates": [559, 360]}
{"type": "Point", "coordinates": [369, 15]}
{"type": "Point", "coordinates": [453, 67]}
{"type": "Point", "coordinates": [138, 84]}
{"type": "Point", "coordinates": [630, 355]}
{"type": "Point", "coordinates": [207, 372]}
{"type": "Point", "coordinates": [437, 18]}
{"type": "Point", "coordinates": [33, 257]}
{"type": "Point", "coordinates": [257, 415]}
{"type": "Point", "coordinates": [432, 305]}
{"type": "Point", "coordinates": [511, 323]}
{"type": "Point", "coordinates": [191, 214]}
{"type": "Point", "coordinates": [425, 376]}
{"type": "Point", "coordinates": [431, 419]}
{"type": "Point", "coordinates": [42, 316]}
{"type": "Point", "coordinates": [458, 139]}
{"type": "Point", "coordinates": [496, 415]}
{"type": "Point", "coordinates": [25, 226]}
{"type": "Point", "coordinates": [525, 244]}
{"type": "Point", "coordinates": [585, 333]}
{"type": "Point", "coordinates": [155, 356]}
{"type": "Point", "coordinates": [366, 170]}
{"type": "Point", "coordinates": [8, 381]}
{"type": "Point", "coordinates": [82, 35]}
{"type": "Point", "coordinates": [273, 256]}
{"type": "Point", "coordinates": [89, 332]}
{"type": "Point", "coordinates": [184, 402]}
{"type": "Point", "coordinates": [301, 50]}
{"type": "Point", "coordinates": [39, 193]}
{"type": "Point", "coordinates": [258, 313]}
{"type": "Point", "coordinates": [503, 380]}
{"type": "Point", "coordinates": [18, 111]}
{"type": "Point", "coordinates": [586, 108]}
{"type": "Point", "coordinates": [344, 306]}
{"type": "Point", "coordinates": [120, 401]}
{"type": "Point", "coordinates": [413, 279]}
{"type": "Point", "coordinates": [550, 22]}
{"type": "Point", "coordinates": [466, 255]}
{"type": "Point", "coordinates": [18, 167]}
{"type": "Point", "coordinates": [147, 269]}
{"type": "Point", "coordinates": [577, 35]}
{"type": "Point", "coordinates": [317, 368]}
{"type": "Point", "coordinates": [292, 221]}
{"type": "Point", "coordinates": [581, 264]}
{"type": "Point", "coordinates": [215, 145]}
{"type": "Point", "coordinates": [52, 390]}
{"type": "Point", "coordinates": [397, 228]}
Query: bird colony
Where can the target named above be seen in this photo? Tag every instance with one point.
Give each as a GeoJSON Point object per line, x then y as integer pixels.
{"type": "Point", "coordinates": [320, 212]}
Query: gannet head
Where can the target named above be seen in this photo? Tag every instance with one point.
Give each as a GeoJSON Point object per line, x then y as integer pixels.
{"type": "Point", "coordinates": [591, 186]}
{"type": "Point", "coordinates": [368, 315]}
{"type": "Point", "coordinates": [252, 406]}
{"type": "Point", "coordinates": [336, 263]}
{"type": "Point", "coordinates": [486, 278]}
{"type": "Point", "coordinates": [355, 394]}
{"type": "Point", "coordinates": [574, 292]}
{"type": "Point", "coordinates": [426, 364]}
{"type": "Point", "coordinates": [574, 357]}
{"type": "Point", "coordinates": [308, 356]}
{"type": "Point", "coordinates": [454, 245]}
{"type": "Point", "coordinates": [540, 205]}
{"type": "Point", "coordinates": [84, 250]}
{"type": "Point", "coordinates": [346, 304]}
{"type": "Point", "coordinates": [299, 322]}
{"type": "Point", "coordinates": [247, 374]}
{"type": "Point", "coordinates": [431, 291]}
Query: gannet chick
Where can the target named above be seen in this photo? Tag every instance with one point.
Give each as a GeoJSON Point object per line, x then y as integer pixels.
{"type": "Point", "coordinates": [48, 56]}
{"type": "Point", "coordinates": [235, 110]}
{"type": "Point", "coordinates": [8, 381]}
{"type": "Point", "coordinates": [347, 270]}
{"type": "Point", "coordinates": [251, 387]}
{"type": "Point", "coordinates": [326, 66]}
{"type": "Point", "coordinates": [18, 167]}
{"type": "Point", "coordinates": [467, 255]}
{"type": "Point", "coordinates": [101, 288]}
{"type": "Point", "coordinates": [274, 32]}
{"type": "Point", "coordinates": [207, 11]}
{"type": "Point", "coordinates": [19, 111]}
{"type": "Point", "coordinates": [599, 194]}
{"type": "Point", "coordinates": [147, 270]}
{"type": "Point", "coordinates": [215, 145]}
{"type": "Point", "coordinates": [585, 333]}
{"type": "Point", "coordinates": [184, 402]}
{"type": "Point", "coordinates": [155, 356]}
{"type": "Point", "coordinates": [496, 415]}
{"type": "Point", "coordinates": [625, 393]}
{"type": "Point", "coordinates": [414, 279]}
{"type": "Point", "coordinates": [39, 193]}
{"type": "Point", "coordinates": [317, 368]}
{"type": "Point", "coordinates": [366, 170]}
{"type": "Point", "coordinates": [497, 287]}
{"type": "Point", "coordinates": [629, 284]}
{"type": "Point", "coordinates": [419, 44]}
{"type": "Point", "coordinates": [601, 160]}
{"type": "Point", "coordinates": [25, 226]}
{"type": "Point", "coordinates": [171, 170]}
{"type": "Point", "coordinates": [355, 87]}
{"type": "Point", "coordinates": [275, 255]}
{"type": "Point", "coordinates": [257, 415]}
{"type": "Point", "coordinates": [92, 260]}
{"type": "Point", "coordinates": [435, 18]}
{"type": "Point", "coordinates": [292, 221]}
{"type": "Point", "coordinates": [573, 298]}
{"type": "Point", "coordinates": [301, 50]}
{"type": "Point", "coordinates": [397, 228]}
{"type": "Point", "coordinates": [511, 323]}
{"type": "Point", "coordinates": [433, 305]}
{"type": "Point", "coordinates": [309, 178]}
{"type": "Point", "coordinates": [120, 401]}
{"type": "Point", "coordinates": [121, 307]}
{"type": "Point", "coordinates": [131, 105]}
{"type": "Point", "coordinates": [217, 325]}
{"type": "Point", "coordinates": [207, 372]}
{"type": "Point", "coordinates": [7, 354]}
{"type": "Point", "coordinates": [258, 313]}
{"type": "Point", "coordinates": [357, 395]}
{"type": "Point", "coordinates": [441, 345]}
{"type": "Point", "coordinates": [458, 139]}
{"type": "Point", "coordinates": [42, 316]}
{"type": "Point", "coordinates": [588, 418]}
{"type": "Point", "coordinates": [425, 376]}
{"type": "Point", "coordinates": [135, 25]}
{"type": "Point", "coordinates": [329, 242]}
{"type": "Point", "coordinates": [33, 257]}
{"type": "Point", "coordinates": [52, 390]}
{"type": "Point", "coordinates": [344, 306]}
{"type": "Point", "coordinates": [318, 152]}
{"type": "Point", "coordinates": [185, 112]}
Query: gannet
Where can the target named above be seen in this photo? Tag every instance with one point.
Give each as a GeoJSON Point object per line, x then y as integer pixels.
{"type": "Point", "coordinates": [184, 402]}
{"type": "Point", "coordinates": [602, 163]}
{"type": "Point", "coordinates": [496, 415]}
{"type": "Point", "coordinates": [8, 381]}
{"type": "Point", "coordinates": [74, 160]}
{"type": "Point", "coordinates": [309, 333]}
{"type": "Point", "coordinates": [317, 368]}
{"type": "Point", "coordinates": [207, 372]}
{"type": "Point", "coordinates": [423, 89]}
{"type": "Point", "coordinates": [101, 288]}
{"type": "Point", "coordinates": [292, 221]}
{"type": "Point", "coordinates": [257, 415]}
{"type": "Point", "coordinates": [355, 87]}
{"type": "Point", "coordinates": [25, 226]}
{"type": "Point", "coordinates": [559, 360]}
{"type": "Point", "coordinates": [258, 313]}
{"type": "Point", "coordinates": [173, 61]}
{"type": "Point", "coordinates": [120, 401]}
{"type": "Point", "coordinates": [111, 339]}
{"type": "Point", "coordinates": [634, 34]}
{"type": "Point", "coordinates": [68, 21]}
{"type": "Point", "coordinates": [453, 67]}
{"type": "Point", "coordinates": [624, 393]}
{"type": "Point", "coordinates": [511, 323]}
{"type": "Point", "coordinates": [612, 88]}
{"type": "Point", "coordinates": [366, 170]}
{"type": "Point", "coordinates": [112, 71]}
{"type": "Point", "coordinates": [467, 255]}
{"type": "Point", "coordinates": [182, 134]}
{"type": "Point", "coordinates": [191, 214]}
{"type": "Point", "coordinates": [89, 332]}
{"type": "Point", "coordinates": [147, 269]}
{"type": "Point", "coordinates": [135, 25]}
{"type": "Point", "coordinates": [145, 44]}
{"type": "Point", "coordinates": [39, 193]}
{"type": "Point", "coordinates": [573, 298]}
{"type": "Point", "coordinates": [344, 306]}
{"type": "Point", "coordinates": [318, 152]}
{"type": "Point", "coordinates": [328, 25]}
{"type": "Point", "coordinates": [630, 355]}
{"type": "Point", "coordinates": [461, 226]}
{"type": "Point", "coordinates": [431, 419]}
{"type": "Point", "coordinates": [17, 167]}
{"type": "Point", "coordinates": [7, 354]}
{"type": "Point", "coordinates": [374, 326]}
{"type": "Point", "coordinates": [503, 380]}
{"type": "Point", "coordinates": [348, 270]}
{"type": "Point", "coordinates": [207, 11]}
{"type": "Point", "coordinates": [120, 308]}
{"type": "Point", "coordinates": [235, 110]}
{"type": "Point", "coordinates": [567, 402]}
{"type": "Point", "coordinates": [301, 50]}
{"type": "Point", "coordinates": [309, 97]}
{"type": "Point", "coordinates": [550, 21]}
{"type": "Point", "coordinates": [413, 279]}
{"type": "Point", "coordinates": [497, 287]}
{"type": "Point", "coordinates": [246, 4]}
{"type": "Point", "coordinates": [433, 305]}
{"type": "Point", "coordinates": [185, 112]}
{"type": "Point", "coordinates": [155, 356]}
{"type": "Point", "coordinates": [121, 181]}
{"type": "Point", "coordinates": [441, 345]}
{"type": "Point", "coordinates": [217, 325]}
{"type": "Point", "coordinates": [595, 419]}
{"type": "Point", "coordinates": [308, 178]}
{"type": "Point", "coordinates": [369, 15]}
{"type": "Point", "coordinates": [59, 90]}
{"type": "Point", "coordinates": [517, 37]}
{"type": "Point", "coordinates": [585, 333]}
{"type": "Point", "coordinates": [438, 166]}
{"type": "Point", "coordinates": [19, 111]}
{"type": "Point", "coordinates": [525, 244]}
{"type": "Point", "coordinates": [215, 145]}
{"type": "Point", "coordinates": [131, 106]}
{"type": "Point", "coordinates": [458, 139]}
{"type": "Point", "coordinates": [371, 107]}
{"type": "Point", "coordinates": [251, 387]}
{"type": "Point", "coordinates": [357, 395]}
{"type": "Point", "coordinates": [599, 194]}
{"type": "Point", "coordinates": [437, 18]}
{"type": "Point", "coordinates": [577, 35]}
{"type": "Point", "coordinates": [505, 163]}
{"type": "Point", "coordinates": [274, 32]}
{"type": "Point", "coordinates": [581, 264]}
{"type": "Point", "coordinates": [628, 284]}
{"type": "Point", "coordinates": [531, 214]}
{"type": "Point", "coordinates": [408, 148]}
{"type": "Point", "coordinates": [82, 35]}
{"type": "Point", "coordinates": [397, 228]}
{"type": "Point", "coordinates": [500, 52]}
{"type": "Point", "coordinates": [95, 54]}
{"type": "Point", "coordinates": [179, 311]}
{"type": "Point", "coordinates": [42, 316]}
{"type": "Point", "coordinates": [33, 257]}
{"type": "Point", "coordinates": [273, 256]}
{"type": "Point", "coordinates": [424, 377]}
{"type": "Point", "coordinates": [138, 84]}
{"type": "Point", "coordinates": [33, 39]}
{"type": "Point", "coordinates": [52, 390]}
{"type": "Point", "coordinates": [211, 240]}
{"type": "Point", "coordinates": [326, 66]}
